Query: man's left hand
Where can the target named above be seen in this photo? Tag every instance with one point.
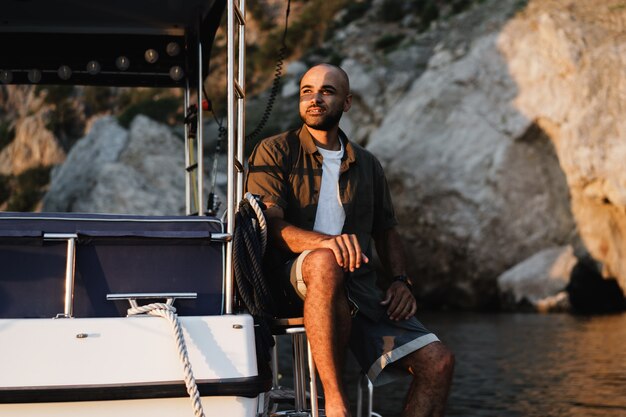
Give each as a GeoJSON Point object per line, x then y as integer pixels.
{"type": "Point", "coordinates": [402, 304]}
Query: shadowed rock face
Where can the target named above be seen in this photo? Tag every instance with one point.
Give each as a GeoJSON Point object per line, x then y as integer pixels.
{"type": "Point", "coordinates": [477, 183]}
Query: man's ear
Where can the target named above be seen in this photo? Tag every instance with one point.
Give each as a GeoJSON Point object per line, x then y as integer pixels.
{"type": "Point", "coordinates": [348, 103]}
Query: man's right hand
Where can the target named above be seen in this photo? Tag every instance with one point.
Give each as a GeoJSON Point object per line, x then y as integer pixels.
{"type": "Point", "coordinates": [347, 251]}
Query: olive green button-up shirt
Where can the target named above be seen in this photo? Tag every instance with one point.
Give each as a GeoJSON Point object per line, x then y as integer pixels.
{"type": "Point", "coordinates": [286, 170]}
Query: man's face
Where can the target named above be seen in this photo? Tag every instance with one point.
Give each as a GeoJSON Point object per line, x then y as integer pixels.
{"type": "Point", "coordinates": [324, 96]}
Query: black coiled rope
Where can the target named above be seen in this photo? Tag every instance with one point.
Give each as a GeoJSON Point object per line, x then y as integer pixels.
{"type": "Point", "coordinates": [252, 288]}
{"type": "Point", "coordinates": [278, 73]}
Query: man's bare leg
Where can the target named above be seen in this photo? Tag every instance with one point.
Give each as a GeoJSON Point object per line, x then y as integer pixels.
{"type": "Point", "coordinates": [327, 321]}
{"type": "Point", "coordinates": [432, 367]}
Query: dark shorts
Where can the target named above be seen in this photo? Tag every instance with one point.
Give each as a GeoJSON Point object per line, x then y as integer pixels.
{"type": "Point", "coordinates": [375, 344]}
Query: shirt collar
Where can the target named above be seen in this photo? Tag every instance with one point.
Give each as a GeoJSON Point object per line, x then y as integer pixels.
{"type": "Point", "coordinates": [309, 145]}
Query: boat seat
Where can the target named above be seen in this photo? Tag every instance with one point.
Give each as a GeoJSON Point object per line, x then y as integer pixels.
{"type": "Point", "coordinates": [47, 258]}
{"type": "Point", "coordinates": [294, 326]}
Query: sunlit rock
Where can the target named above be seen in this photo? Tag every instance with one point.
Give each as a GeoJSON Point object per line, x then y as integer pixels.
{"type": "Point", "coordinates": [33, 146]}
{"type": "Point", "coordinates": [539, 281]}
{"type": "Point", "coordinates": [567, 61]}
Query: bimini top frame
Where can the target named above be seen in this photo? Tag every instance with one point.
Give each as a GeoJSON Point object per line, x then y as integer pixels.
{"type": "Point", "coordinates": [136, 43]}
{"type": "Point", "coordinates": [106, 42]}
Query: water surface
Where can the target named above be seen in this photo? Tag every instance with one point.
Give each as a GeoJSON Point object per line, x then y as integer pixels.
{"type": "Point", "coordinates": [528, 365]}
{"type": "Point", "coordinates": [520, 365]}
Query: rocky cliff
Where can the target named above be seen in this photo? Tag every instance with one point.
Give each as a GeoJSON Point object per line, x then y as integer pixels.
{"type": "Point", "coordinates": [499, 130]}
{"type": "Point", "coordinates": [498, 124]}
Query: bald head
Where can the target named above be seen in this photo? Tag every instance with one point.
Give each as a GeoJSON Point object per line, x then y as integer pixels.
{"type": "Point", "coordinates": [333, 73]}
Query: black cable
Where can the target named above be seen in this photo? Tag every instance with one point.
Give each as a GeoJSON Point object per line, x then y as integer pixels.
{"type": "Point", "coordinates": [251, 284]}
{"type": "Point", "coordinates": [278, 73]}
{"type": "Point", "coordinates": [221, 133]}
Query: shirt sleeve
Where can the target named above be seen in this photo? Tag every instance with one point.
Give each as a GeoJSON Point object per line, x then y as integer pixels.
{"type": "Point", "coordinates": [267, 175]}
{"type": "Point", "coordinates": [384, 213]}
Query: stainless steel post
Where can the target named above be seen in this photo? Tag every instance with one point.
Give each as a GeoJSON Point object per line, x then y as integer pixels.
{"type": "Point", "coordinates": [200, 136]}
{"type": "Point", "coordinates": [230, 192]}
{"type": "Point", "coordinates": [70, 264]}
{"type": "Point", "coordinates": [312, 382]}
{"type": "Point", "coordinates": [241, 107]}
{"type": "Point", "coordinates": [188, 209]}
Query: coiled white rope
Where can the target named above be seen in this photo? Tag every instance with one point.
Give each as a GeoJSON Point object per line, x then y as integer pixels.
{"type": "Point", "coordinates": [169, 312]}
{"type": "Point", "coordinates": [260, 218]}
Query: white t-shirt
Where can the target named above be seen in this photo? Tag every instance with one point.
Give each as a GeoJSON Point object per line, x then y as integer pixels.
{"type": "Point", "coordinates": [330, 215]}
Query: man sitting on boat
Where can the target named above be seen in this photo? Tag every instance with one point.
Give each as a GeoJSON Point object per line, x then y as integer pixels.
{"type": "Point", "coordinates": [327, 199]}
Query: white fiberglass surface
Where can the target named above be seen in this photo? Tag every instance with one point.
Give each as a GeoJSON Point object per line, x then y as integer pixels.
{"type": "Point", "coordinates": [54, 352]}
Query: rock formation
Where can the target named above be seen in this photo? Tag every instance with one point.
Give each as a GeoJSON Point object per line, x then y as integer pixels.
{"type": "Point", "coordinates": [540, 281]}
{"type": "Point", "coordinates": [567, 61]}
{"type": "Point", "coordinates": [112, 170]}
{"type": "Point", "coordinates": [499, 129]}
{"type": "Point", "coordinates": [477, 184]}
{"type": "Point", "coordinates": [33, 145]}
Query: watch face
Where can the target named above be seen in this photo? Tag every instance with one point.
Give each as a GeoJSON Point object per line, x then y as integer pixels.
{"type": "Point", "coordinates": [403, 278]}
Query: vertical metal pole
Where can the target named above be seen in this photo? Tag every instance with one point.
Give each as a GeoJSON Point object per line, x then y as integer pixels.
{"type": "Point", "coordinates": [187, 152]}
{"type": "Point", "coordinates": [70, 264]}
{"type": "Point", "coordinates": [230, 192]}
{"type": "Point", "coordinates": [299, 371]}
{"type": "Point", "coordinates": [241, 79]}
{"type": "Point", "coordinates": [312, 382]}
{"type": "Point", "coordinates": [365, 386]}
{"type": "Point", "coordinates": [200, 136]}
{"type": "Point", "coordinates": [274, 363]}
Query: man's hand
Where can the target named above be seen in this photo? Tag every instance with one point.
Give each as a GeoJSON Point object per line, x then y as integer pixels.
{"type": "Point", "coordinates": [402, 304]}
{"type": "Point", "coordinates": [347, 251]}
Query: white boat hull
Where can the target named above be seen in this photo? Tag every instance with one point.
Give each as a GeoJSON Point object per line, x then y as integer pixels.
{"type": "Point", "coordinates": [129, 365]}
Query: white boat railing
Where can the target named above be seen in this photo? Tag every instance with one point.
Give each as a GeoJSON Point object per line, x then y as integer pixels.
{"type": "Point", "coordinates": [236, 135]}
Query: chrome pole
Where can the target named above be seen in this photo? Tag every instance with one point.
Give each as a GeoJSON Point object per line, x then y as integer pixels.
{"type": "Point", "coordinates": [241, 121]}
{"type": "Point", "coordinates": [230, 192]}
{"type": "Point", "coordinates": [70, 265]}
{"type": "Point", "coordinates": [186, 97]}
{"type": "Point", "coordinates": [199, 137]}
{"type": "Point", "coordinates": [312, 382]}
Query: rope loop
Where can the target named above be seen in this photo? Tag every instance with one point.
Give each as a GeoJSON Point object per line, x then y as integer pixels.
{"type": "Point", "coordinates": [249, 244]}
{"type": "Point", "coordinates": [169, 312]}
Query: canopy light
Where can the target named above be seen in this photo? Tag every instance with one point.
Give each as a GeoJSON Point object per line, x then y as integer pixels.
{"type": "Point", "coordinates": [151, 56]}
{"type": "Point", "coordinates": [93, 67]}
{"type": "Point", "coordinates": [122, 63]}
{"type": "Point", "coordinates": [64, 72]}
{"type": "Point", "coordinates": [176, 73]}
{"type": "Point", "coordinates": [34, 76]}
{"type": "Point", "coordinates": [6, 76]}
{"type": "Point", "coordinates": [172, 49]}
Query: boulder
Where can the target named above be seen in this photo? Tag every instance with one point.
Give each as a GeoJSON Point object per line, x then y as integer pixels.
{"type": "Point", "coordinates": [539, 281]}
{"type": "Point", "coordinates": [72, 184]}
{"type": "Point", "coordinates": [112, 170]}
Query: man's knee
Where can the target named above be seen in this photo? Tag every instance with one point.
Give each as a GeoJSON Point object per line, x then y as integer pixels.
{"type": "Point", "coordinates": [320, 266]}
{"type": "Point", "coordinates": [435, 359]}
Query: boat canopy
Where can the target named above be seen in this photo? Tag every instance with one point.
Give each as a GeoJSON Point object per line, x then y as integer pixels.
{"type": "Point", "coordinates": [106, 42]}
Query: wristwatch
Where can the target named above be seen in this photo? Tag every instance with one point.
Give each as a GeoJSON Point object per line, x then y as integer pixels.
{"type": "Point", "coordinates": [404, 279]}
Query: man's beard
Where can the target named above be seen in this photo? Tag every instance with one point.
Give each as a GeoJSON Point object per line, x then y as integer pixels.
{"type": "Point", "coordinates": [324, 122]}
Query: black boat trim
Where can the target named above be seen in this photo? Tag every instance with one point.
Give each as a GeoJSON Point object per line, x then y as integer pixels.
{"type": "Point", "coordinates": [249, 387]}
